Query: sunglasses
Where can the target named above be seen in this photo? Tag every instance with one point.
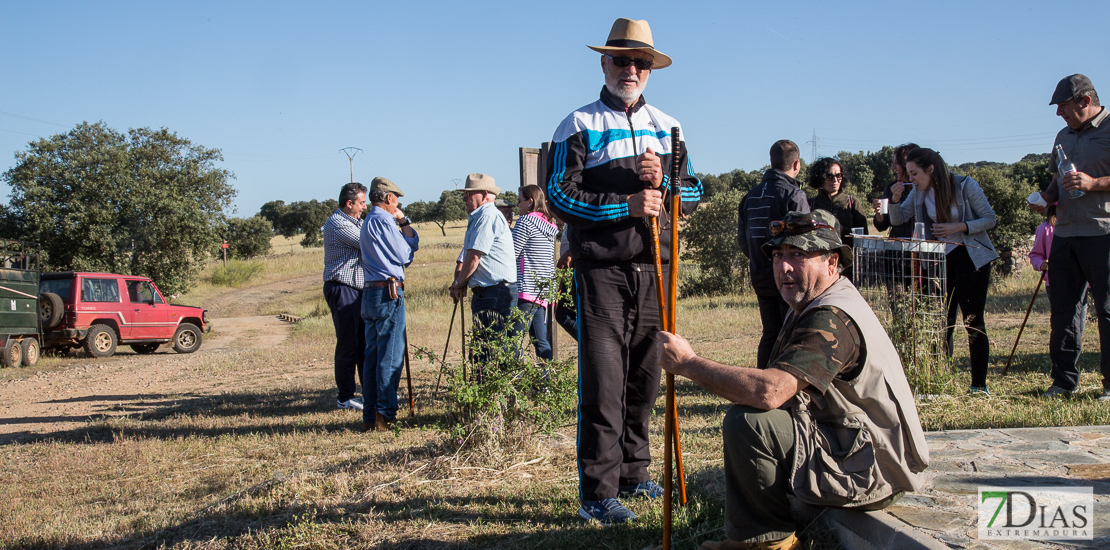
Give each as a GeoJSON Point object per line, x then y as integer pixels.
{"type": "Point", "coordinates": [830, 176]}
{"type": "Point", "coordinates": [796, 227]}
{"type": "Point", "coordinates": [624, 61]}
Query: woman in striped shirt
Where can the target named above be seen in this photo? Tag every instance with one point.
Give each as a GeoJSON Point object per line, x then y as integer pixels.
{"type": "Point", "coordinates": [534, 240]}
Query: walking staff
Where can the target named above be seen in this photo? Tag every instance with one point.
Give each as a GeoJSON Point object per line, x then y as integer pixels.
{"type": "Point", "coordinates": [1023, 321]}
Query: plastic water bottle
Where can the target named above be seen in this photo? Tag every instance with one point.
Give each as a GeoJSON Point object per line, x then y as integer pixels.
{"type": "Point", "coordinates": [1065, 167]}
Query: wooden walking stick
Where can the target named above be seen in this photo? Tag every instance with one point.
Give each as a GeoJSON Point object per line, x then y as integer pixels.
{"type": "Point", "coordinates": [672, 306]}
{"type": "Point", "coordinates": [462, 332]}
{"type": "Point", "coordinates": [408, 375]}
{"type": "Point", "coordinates": [1022, 329]}
{"type": "Point", "coordinates": [443, 359]}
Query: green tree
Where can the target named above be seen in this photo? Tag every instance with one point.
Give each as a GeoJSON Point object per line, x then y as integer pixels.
{"type": "Point", "coordinates": [300, 218]}
{"type": "Point", "coordinates": [449, 208]}
{"type": "Point", "coordinates": [249, 237]}
{"type": "Point", "coordinates": [709, 240]}
{"type": "Point", "coordinates": [420, 211]}
{"type": "Point", "coordinates": [145, 203]}
{"type": "Point", "coordinates": [273, 212]}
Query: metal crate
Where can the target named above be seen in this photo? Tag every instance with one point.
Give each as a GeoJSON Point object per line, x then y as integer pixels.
{"type": "Point", "coordinates": [904, 282]}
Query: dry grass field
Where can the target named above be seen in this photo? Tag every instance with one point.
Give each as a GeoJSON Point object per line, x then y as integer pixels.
{"type": "Point", "coordinates": [243, 447]}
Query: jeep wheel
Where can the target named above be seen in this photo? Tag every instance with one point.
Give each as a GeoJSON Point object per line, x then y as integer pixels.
{"type": "Point", "coordinates": [13, 354]}
{"type": "Point", "coordinates": [144, 349]}
{"type": "Point", "coordinates": [187, 338]}
{"type": "Point", "coordinates": [101, 341]}
{"type": "Point", "coordinates": [51, 309]}
{"type": "Point", "coordinates": [30, 350]}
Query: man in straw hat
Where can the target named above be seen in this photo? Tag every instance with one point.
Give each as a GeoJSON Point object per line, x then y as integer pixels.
{"type": "Point", "coordinates": [831, 419]}
{"type": "Point", "coordinates": [1081, 244]}
{"type": "Point", "coordinates": [487, 263]}
{"type": "Point", "coordinates": [606, 179]}
{"type": "Point", "coordinates": [388, 246]}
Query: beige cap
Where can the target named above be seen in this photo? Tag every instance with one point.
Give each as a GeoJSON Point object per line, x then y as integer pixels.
{"type": "Point", "coordinates": [385, 186]}
{"type": "Point", "coordinates": [481, 182]}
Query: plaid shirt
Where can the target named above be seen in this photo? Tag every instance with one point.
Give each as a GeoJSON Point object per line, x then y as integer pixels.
{"type": "Point", "coordinates": [342, 254]}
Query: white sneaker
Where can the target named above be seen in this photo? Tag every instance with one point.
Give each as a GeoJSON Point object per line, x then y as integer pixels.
{"type": "Point", "coordinates": [352, 403]}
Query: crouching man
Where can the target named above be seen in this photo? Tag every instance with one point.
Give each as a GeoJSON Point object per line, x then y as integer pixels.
{"type": "Point", "coordinates": [831, 419]}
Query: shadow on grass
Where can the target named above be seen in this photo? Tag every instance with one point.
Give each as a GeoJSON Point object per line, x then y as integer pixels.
{"type": "Point", "coordinates": [146, 414]}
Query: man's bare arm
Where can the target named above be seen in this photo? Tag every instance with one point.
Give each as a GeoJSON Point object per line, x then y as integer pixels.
{"type": "Point", "coordinates": [760, 388]}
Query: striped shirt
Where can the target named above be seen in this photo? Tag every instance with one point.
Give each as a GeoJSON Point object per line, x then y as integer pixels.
{"type": "Point", "coordinates": [534, 243]}
{"type": "Point", "coordinates": [342, 255]}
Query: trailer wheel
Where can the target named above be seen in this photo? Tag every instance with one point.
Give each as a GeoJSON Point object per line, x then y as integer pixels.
{"type": "Point", "coordinates": [100, 341]}
{"type": "Point", "coordinates": [30, 350]}
{"type": "Point", "coordinates": [13, 353]}
{"type": "Point", "coordinates": [51, 309]}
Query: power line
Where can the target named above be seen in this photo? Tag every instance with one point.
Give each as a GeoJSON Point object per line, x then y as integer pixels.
{"type": "Point", "coordinates": [30, 118]}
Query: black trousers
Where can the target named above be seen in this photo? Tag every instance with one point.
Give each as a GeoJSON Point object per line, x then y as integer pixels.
{"type": "Point", "coordinates": [967, 289]}
{"type": "Point", "coordinates": [345, 303]}
{"type": "Point", "coordinates": [1075, 263]}
{"type": "Point", "coordinates": [772, 311]}
{"type": "Point", "coordinates": [618, 316]}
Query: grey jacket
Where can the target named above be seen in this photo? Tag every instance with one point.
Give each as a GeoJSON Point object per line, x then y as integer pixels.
{"type": "Point", "coordinates": [975, 211]}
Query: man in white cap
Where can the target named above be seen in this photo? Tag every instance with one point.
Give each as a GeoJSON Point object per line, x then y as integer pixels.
{"type": "Point", "coordinates": [487, 263]}
{"type": "Point", "coordinates": [606, 181]}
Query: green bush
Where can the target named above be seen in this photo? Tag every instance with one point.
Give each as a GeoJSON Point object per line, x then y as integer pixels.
{"type": "Point", "coordinates": [249, 237]}
{"type": "Point", "coordinates": [235, 273]}
{"type": "Point", "coordinates": [709, 240]}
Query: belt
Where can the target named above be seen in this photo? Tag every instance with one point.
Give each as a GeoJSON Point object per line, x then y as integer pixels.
{"type": "Point", "coordinates": [381, 284]}
{"type": "Point", "coordinates": [481, 288]}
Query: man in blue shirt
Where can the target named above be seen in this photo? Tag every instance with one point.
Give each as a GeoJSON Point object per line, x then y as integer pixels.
{"type": "Point", "coordinates": [343, 278]}
{"type": "Point", "coordinates": [388, 245]}
{"type": "Point", "coordinates": [487, 263]}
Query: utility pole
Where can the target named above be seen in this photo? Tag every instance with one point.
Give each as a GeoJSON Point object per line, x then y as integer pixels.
{"type": "Point", "coordinates": [813, 157]}
{"type": "Point", "coordinates": [351, 152]}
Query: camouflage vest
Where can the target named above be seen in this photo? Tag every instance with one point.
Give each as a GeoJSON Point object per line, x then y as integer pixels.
{"type": "Point", "coordinates": [861, 441]}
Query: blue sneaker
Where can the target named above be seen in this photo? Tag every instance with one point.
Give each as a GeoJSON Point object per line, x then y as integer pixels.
{"type": "Point", "coordinates": [980, 391]}
{"type": "Point", "coordinates": [649, 489]}
{"type": "Point", "coordinates": [606, 511]}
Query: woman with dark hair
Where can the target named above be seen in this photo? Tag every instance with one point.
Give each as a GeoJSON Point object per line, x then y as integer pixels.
{"type": "Point", "coordinates": [534, 241]}
{"type": "Point", "coordinates": [954, 210]}
{"type": "Point", "coordinates": [829, 177]}
{"type": "Point", "coordinates": [898, 166]}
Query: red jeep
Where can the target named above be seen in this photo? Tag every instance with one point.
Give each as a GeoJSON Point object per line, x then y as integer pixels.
{"type": "Point", "coordinates": [99, 310]}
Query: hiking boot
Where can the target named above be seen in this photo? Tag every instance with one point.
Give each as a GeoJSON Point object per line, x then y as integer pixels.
{"type": "Point", "coordinates": [606, 511]}
{"type": "Point", "coordinates": [649, 489]}
{"type": "Point", "coordinates": [352, 403]}
{"type": "Point", "coordinates": [979, 391]}
{"type": "Point", "coordinates": [1056, 392]}
{"type": "Point", "coordinates": [789, 543]}
{"type": "Point", "coordinates": [1105, 397]}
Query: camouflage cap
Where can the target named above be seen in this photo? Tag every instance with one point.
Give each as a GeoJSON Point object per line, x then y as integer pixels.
{"type": "Point", "coordinates": [500, 203]}
{"type": "Point", "coordinates": [812, 240]}
{"type": "Point", "coordinates": [385, 186]}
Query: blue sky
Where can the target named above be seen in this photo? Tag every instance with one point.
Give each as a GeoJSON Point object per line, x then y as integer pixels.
{"type": "Point", "coordinates": [432, 91]}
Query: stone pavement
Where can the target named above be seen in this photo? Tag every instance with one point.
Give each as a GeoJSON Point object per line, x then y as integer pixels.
{"type": "Point", "coordinates": [945, 511]}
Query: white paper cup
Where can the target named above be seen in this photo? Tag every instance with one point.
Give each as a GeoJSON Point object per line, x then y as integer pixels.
{"type": "Point", "coordinates": [1036, 199]}
{"type": "Point", "coordinates": [884, 206]}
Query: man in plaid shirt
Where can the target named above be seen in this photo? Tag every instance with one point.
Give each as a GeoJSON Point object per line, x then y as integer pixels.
{"type": "Point", "coordinates": [343, 279]}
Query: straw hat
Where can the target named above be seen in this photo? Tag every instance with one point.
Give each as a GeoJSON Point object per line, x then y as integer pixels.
{"type": "Point", "coordinates": [632, 35]}
{"type": "Point", "coordinates": [481, 182]}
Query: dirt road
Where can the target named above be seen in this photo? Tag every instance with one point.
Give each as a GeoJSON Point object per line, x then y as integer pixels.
{"type": "Point", "coordinates": [70, 391]}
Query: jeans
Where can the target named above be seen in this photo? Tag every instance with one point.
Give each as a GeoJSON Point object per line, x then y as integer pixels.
{"type": "Point", "coordinates": [345, 303]}
{"type": "Point", "coordinates": [490, 307]}
{"type": "Point", "coordinates": [535, 319]}
{"type": "Point", "coordinates": [385, 351]}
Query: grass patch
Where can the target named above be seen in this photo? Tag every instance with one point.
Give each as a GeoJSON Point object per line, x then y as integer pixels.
{"type": "Point", "coordinates": [258, 456]}
{"type": "Point", "coordinates": [235, 273]}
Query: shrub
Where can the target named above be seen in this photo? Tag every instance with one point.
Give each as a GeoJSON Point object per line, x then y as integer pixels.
{"type": "Point", "coordinates": [710, 242]}
{"type": "Point", "coordinates": [235, 273]}
{"type": "Point", "coordinates": [249, 237]}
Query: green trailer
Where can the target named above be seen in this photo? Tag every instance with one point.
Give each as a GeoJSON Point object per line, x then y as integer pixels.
{"type": "Point", "coordinates": [20, 316]}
